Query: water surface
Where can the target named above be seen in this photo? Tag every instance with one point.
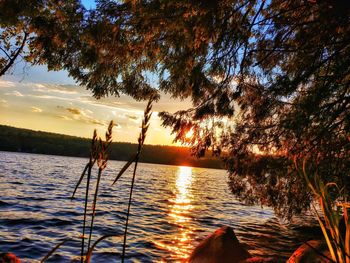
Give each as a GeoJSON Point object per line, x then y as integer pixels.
{"type": "Point", "coordinates": [173, 209]}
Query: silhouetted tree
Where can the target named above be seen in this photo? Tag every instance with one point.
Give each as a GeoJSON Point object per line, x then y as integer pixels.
{"type": "Point", "coordinates": [269, 82]}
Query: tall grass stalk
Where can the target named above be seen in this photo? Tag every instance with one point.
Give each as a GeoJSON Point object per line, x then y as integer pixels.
{"type": "Point", "coordinates": [145, 124]}
{"type": "Point", "coordinates": [333, 209]}
{"type": "Point", "coordinates": [92, 160]}
{"type": "Point", "coordinates": [102, 159]}
{"type": "Point", "coordinates": [99, 153]}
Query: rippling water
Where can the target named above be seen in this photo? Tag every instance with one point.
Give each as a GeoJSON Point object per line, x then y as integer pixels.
{"type": "Point", "coordinates": [173, 209]}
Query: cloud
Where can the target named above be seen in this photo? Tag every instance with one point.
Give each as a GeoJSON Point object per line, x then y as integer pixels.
{"type": "Point", "coordinates": [84, 116]}
{"type": "Point", "coordinates": [15, 93]}
{"type": "Point", "coordinates": [62, 89]}
{"type": "Point", "coordinates": [6, 84]}
{"type": "Point", "coordinates": [65, 118]}
{"type": "Point", "coordinates": [132, 117]}
{"type": "Point", "coordinates": [3, 103]}
{"type": "Point", "coordinates": [55, 98]}
{"type": "Point", "coordinates": [116, 125]}
{"type": "Point", "coordinates": [74, 111]}
{"type": "Point", "coordinates": [36, 109]}
{"type": "Point", "coordinates": [88, 111]}
{"type": "Point", "coordinates": [127, 104]}
{"type": "Point", "coordinates": [95, 121]}
{"type": "Point", "coordinates": [109, 105]}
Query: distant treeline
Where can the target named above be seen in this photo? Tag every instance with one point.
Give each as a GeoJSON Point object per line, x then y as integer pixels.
{"type": "Point", "coordinates": [29, 141]}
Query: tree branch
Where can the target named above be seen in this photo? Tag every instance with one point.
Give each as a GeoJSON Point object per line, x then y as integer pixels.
{"type": "Point", "coordinates": [12, 60]}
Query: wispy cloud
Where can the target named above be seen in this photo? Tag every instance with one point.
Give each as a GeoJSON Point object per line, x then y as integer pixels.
{"type": "Point", "coordinates": [74, 111]}
{"type": "Point", "coordinates": [55, 98]}
{"type": "Point", "coordinates": [3, 103]}
{"type": "Point", "coordinates": [62, 89]}
{"type": "Point", "coordinates": [84, 116]}
{"type": "Point", "coordinates": [127, 104]}
{"type": "Point", "coordinates": [14, 93]}
{"type": "Point", "coordinates": [65, 117]}
{"type": "Point", "coordinates": [95, 121]}
{"type": "Point", "coordinates": [117, 125]}
{"type": "Point", "coordinates": [36, 109]}
{"type": "Point", "coordinates": [113, 106]}
{"type": "Point", "coordinates": [6, 84]}
{"type": "Point", "coordinates": [132, 117]}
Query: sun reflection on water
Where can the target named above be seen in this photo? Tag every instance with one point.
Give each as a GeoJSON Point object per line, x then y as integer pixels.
{"type": "Point", "coordinates": [179, 215]}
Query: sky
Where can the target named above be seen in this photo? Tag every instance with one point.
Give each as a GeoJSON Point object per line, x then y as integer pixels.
{"type": "Point", "coordinates": [33, 98]}
{"type": "Point", "coordinates": [89, 4]}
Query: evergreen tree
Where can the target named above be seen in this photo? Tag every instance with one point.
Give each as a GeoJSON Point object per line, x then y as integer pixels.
{"type": "Point", "coordinates": [269, 81]}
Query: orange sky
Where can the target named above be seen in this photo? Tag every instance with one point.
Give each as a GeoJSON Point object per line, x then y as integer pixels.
{"type": "Point", "coordinates": [40, 101]}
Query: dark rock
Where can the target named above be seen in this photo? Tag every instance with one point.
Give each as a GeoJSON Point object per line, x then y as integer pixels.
{"type": "Point", "coordinates": [315, 251]}
{"type": "Point", "coordinates": [9, 258]}
{"type": "Point", "coordinates": [220, 247]}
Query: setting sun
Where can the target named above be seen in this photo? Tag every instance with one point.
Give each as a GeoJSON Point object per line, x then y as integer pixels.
{"type": "Point", "coordinates": [189, 134]}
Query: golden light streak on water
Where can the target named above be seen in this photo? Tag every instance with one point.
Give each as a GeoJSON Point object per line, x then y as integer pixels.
{"type": "Point", "coordinates": [179, 213]}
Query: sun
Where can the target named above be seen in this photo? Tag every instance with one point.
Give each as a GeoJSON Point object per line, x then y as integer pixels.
{"type": "Point", "coordinates": [189, 134]}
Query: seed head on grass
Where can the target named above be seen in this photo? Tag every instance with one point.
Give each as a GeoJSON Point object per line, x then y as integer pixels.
{"type": "Point", "coordinates": [99, 153]}
{"type": "Point", "coordinates": [103, 156]}
{"type": "Point", "coordinates": [141, 139]}
{"type": "Point", "coordinates": [145, 124]}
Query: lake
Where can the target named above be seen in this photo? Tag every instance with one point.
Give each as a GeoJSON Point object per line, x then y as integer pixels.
{"type": "Point", "coordinates": [173, 209]}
